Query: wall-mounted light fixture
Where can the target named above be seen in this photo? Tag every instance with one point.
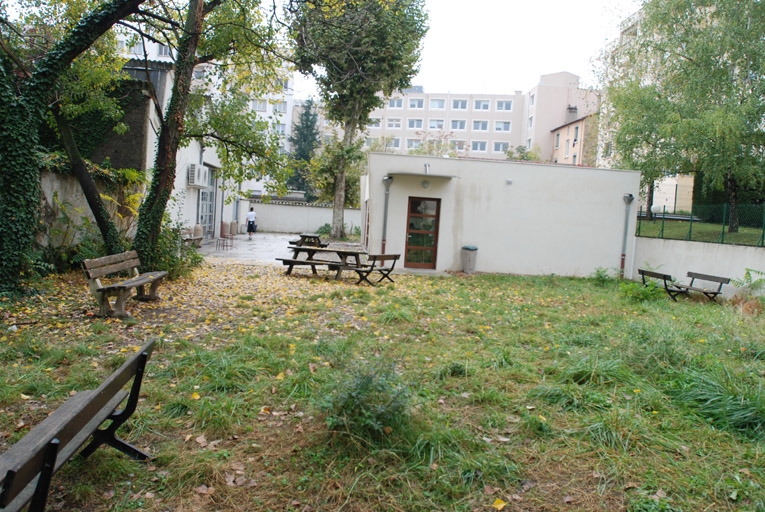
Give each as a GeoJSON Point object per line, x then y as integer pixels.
{"type": "Point", "coordinates": [425, 184]}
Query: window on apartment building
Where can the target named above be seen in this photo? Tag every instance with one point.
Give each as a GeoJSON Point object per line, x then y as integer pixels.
{"type": "Point", "coordinates": [458, 124]}
{"type": "Point", "coordinates": [505, 105]}
{"type": "Point", "coordinates": [568, 146]}
{"type": "Point", "coordinates": [573, 159]}
{"type": "Point", "coordinates": [502, 126]}
{"type": "Point", "coordinates": [528, 143]}
{"type": "Point", "coordinates": [478, 145]}
{"type": "Point", "coordinates": [415, 123]}
{"type": "Point", "coordinates": [138, 49]}
{"type": "Point", "coordinates": [576, 135]}
{"type": "Point", "coordinates": [480, 126]}
{"type": "Point", "coordinates": [371, 141]}
{"type": "Point", "coordinates": [557, 140]}
{"type": "Point", "coordinates": [438, 104]}
{"type": "Point", "coordinates": [532, 100]}
{"type": "Point", "coordinates": [164, 51]}
{"type": "Point", "coordinates": [285, 85]}
{"type": "Point", "coordinates": [481, 105]}
{"type": "Point", "coordinates": [395, 103]}
{"type": "Point", "coordinates": [436, 124]}
{"type": "Point", "coordinates": [501, 147]}
{"type": "Point", "coordinates": [416, 103]}
{"type": "Point", "coordinates": [374, 122]}
{"type": "Point", "coordinates": [531, 122]}
{"type": "Point", "coordinates": [280, 106]}
{"type": "Point", "coordinates": [413, 143]}
{"type": "Point", "coordinates": [280, 128]}
{"type": "Point", "coordinates": [259, 105]}
{"type": "Point", "coordinates": [394, 143]}
{"type": "Point", "coordinates": [458, 145]}
{"type": "Point", "coordinates": [199, 72]}
{"type": "Point", "coordinates": [394, 123]}
{"type": "Point", "coordinates": [459, 104]}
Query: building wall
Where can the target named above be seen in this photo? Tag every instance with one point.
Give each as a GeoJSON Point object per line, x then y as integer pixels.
{"type": "Point", "coordinates": [576, 143]}
{"type": "Point", "coordinates": [524, 218]}
{"type": "Point", "coordinates": [278, 217]}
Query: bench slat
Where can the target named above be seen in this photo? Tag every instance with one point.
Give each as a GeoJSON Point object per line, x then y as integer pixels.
{"type": "Point", "coordinates": [136, 281]}
{"type": "Point", "coordinates": [130, 264]}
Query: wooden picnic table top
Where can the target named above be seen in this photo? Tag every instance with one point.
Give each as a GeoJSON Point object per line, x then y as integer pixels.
{"type": "Point", "coordinates": [338, 250]}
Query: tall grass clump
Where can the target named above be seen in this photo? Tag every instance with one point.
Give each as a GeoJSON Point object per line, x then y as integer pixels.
{"type": "Point", "coordinates": [369, 403]}
{"type": "Point", "coordinates": [728, 403]}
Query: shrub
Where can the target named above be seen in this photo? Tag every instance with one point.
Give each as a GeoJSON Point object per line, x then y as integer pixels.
{"type": "Point", "coordinates": [177, 258]}
{"type": "Point", "coordinates": [636, 292]}
{"type": "Point", "coordinates": [370, 402]}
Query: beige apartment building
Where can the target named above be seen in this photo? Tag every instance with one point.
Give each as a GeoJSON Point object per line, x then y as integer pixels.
{"type": "Point", "coordinates": [477, 125]}
{"type": "Point", "coordinates": [576, 142]}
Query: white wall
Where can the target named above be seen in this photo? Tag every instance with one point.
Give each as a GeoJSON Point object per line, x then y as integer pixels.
{"type": "Point", "coordinates": [296, 218]}
{"type": "Point", "coordinates": [677, 257]}
{"type": "Point", "coordinates": [524, 218]}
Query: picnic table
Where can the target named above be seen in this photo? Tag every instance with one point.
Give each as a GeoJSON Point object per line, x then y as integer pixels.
{"type": "Point", "coordinates": [310, 239]}
{"type": "Point", "coordinates": [343, 258]}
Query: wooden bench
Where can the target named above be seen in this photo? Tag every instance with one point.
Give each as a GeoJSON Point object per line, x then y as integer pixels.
{"type": "Point", "coordinates": [27, 467]}
{"type": "Point", "coordinates": [128, 261]}
{"type": "Point", "coordinates": [710, 293]}
{"type": "Point", "coordinates": [674, 288]}
{"type": "Point", "coordinates": [376, 263]}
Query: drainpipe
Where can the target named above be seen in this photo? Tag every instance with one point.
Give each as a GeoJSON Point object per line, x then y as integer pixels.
{"type": "Point", "coordinates": [628, 198]}
{"type": "Point", "coordinates": [387, 180]}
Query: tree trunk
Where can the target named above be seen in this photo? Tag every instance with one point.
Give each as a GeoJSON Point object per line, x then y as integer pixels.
{"type": "Point", "coordinates": [338, 208]}
{"type": "Point", "coordinates": [23, 104]}
{"type": "Point", "coordinates": [111, 236]}
{"type": "Point", "coordinates": [152, 210]}
{"type": "Point", "coordinates": [649, 201]}
{"type": "Point", "coordinates": [732, 189]}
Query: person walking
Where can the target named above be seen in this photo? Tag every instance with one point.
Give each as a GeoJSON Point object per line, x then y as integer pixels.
{"type": "Point", "coordinates": [251, 226]}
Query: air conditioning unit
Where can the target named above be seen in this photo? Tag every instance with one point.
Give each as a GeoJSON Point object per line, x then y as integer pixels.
{"type": "Point", "coordinates": [197, 176]}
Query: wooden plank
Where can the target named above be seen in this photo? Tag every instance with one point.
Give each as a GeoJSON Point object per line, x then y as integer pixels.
{"type": "Point", "coordinates": [111, 259]}
{"type": "Point", "coordinates": [113, 268]}
{"type": "Point", "coordinates": [708, 277]}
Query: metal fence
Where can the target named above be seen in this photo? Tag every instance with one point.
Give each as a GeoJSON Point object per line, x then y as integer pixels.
{"type": "Point", "coordinates": [707, 223]}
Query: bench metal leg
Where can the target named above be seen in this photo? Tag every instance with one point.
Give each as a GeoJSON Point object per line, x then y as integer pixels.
{"type": "Point", "coordinates": [40, 497]}
{"type": "Point", "coordinates": [118, 418]}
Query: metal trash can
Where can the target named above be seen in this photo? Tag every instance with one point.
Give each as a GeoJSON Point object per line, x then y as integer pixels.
{"type": "Point", "coordinates": [468, 258]}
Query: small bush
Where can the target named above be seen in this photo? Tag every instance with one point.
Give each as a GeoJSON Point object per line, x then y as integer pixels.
{"type": "Point", "coordinates": [177, 258]}
{"type": "Point", "coordinates": [601, 276]}
{"type": "Point", "coordinates": [636, 292]}
{"type": "Point", "coordinates": [370, 403]}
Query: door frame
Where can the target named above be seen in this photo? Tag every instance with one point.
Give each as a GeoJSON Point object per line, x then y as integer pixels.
{"type": "Point", "coordinates": [409, 230]}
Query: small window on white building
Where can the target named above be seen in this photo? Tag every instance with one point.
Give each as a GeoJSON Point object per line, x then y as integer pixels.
{"type": "Point", "coordinates": [415, 124]}
{"type": "Point", "coordinates": [459, 145]}
{"type": "Point", "coordinates": [395, 103]}
{"type": "Point", "coordinates": [505, 105]}
{"type": "Point", "coordinates": [394, 123]}
{"type": "Point", "coordinates": [481, 126]}
{"type": "Point", "coordinates": [439, 104]}
{"type": "Point", "coordinates": [478, 145]}
{"type": "Point", "coordinates": [532, 100]}
{"type": "Point", "coordinates": [501, 147]}
{"type": "Point", "coordinates": [164, 51]}
{"type": "Point", "coordinates": [568, 147]}
{"type": "Point", "coordinates": [458, 124]}
{"type": "Point", "coordinates": [459, 104]}
{"type": "Point", "coordinates": [531, 122]}
{"type": "Point", "coordinates": [481, 105]}
{"type": "Point", "coordinates": [436, 124]}
{"type": "Point", "coordinates": [413, 143]}
{"type": "Point", "coordinates": [374, 122]}
{"type": "Point", "coordinates": [557, 140]}
{"type": "Point", "coordinates": [416, 103]}
{"type": "Point", "coordinates": [395, 143]}
{"type": "Point", "coordinates": [280, 107]}
{"type": "Point", "coordinates": [502, 126]}
{"type": "Point", "coordinates": [259, 105]}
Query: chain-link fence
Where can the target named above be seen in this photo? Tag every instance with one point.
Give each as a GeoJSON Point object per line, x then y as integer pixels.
{"type": "Point", "coordinates": [717, 223]}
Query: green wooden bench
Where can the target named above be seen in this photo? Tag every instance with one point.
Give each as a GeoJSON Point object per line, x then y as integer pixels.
{"type": "Point", "coordinates": [27, 467]}
{"type": "Point", "coordinates": [673, 288]}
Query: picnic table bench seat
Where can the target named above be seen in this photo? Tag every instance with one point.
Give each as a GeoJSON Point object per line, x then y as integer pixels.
{"type": "Point", "coordinates": [376, 264]}
{"type": "Point", "coordinates": [27, 467]}
{"type": "Point", "coordinates": [128, 262]}
{"type": "Point", "coordinates": [673, 288]}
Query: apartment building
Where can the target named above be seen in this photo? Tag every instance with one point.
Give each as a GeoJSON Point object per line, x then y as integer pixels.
{"type": "Point", "coordinates": [576, 142]}
{"type": "Point", "coordinates": [477, 125]}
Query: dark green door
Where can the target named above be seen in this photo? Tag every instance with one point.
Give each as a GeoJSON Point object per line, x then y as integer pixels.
{"type": "Point", "coordinates": [422, 232]}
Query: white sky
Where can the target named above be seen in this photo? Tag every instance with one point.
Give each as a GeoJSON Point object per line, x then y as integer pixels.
{"type": "Point", "coordinates": [503, 46]}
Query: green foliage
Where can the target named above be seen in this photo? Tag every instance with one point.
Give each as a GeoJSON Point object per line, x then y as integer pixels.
{"type": "Point", "coordinates": [691, 100]}
{"type": "Point", "coordinates": [177, 258]}
{"type": "Point", "coordinates": [305, 140]}
{"type": "Point", "coordinates": [636, 292]}
{"type": "Point", "coordinates": [523, 154]}
{"type": "Point", "coordinates": [602, 276]}
{"type": "Point", "coordinates": [369, 403]}
{"type": "Point", "coordinates": [324, 168]}
{"type": "Point", "coordinates": [752, 282]}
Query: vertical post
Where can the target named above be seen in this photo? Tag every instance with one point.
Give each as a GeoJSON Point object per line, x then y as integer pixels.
{"type": "Point", "coordinates": [761, 243]}
{"type": "Point", "coordinates": [724, 220]}
{"type": "Point", "coordinates": [689, 236]}
{"type": "Point", "coordinates": [663, 218]}
{"type": "Point", "coordinates": [627, 200]}
{"type": "Point", "coordinates": [387, 180]}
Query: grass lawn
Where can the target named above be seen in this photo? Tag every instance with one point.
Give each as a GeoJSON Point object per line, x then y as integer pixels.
{"type": "Point", "coordinates": [700, 232]}
{"type": "Point", "coordinates": [482, 392]}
